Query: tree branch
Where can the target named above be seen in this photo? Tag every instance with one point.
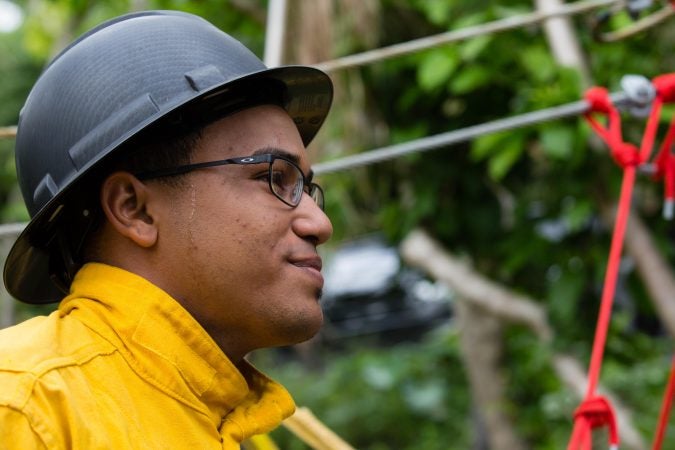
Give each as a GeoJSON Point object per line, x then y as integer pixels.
{"type": "Point", "coordinates": [419, 250]}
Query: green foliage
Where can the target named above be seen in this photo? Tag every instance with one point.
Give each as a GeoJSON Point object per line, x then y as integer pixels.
{"type": "Point", "coordinates": [436, 67]}
{"type": "Point", "coordinates": [413, 397]}
{"type": "Point", "coordinates": [18, 72]}
{"type": "Point", "coordinates": [502, 150]}
{"type": "Point", "coordinates": [546, 423]}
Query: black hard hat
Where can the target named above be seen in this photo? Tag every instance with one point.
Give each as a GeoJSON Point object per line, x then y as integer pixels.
{"type": "Point", "coordinates": [112, 84]}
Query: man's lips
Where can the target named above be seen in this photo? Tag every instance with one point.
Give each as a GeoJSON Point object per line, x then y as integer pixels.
{"type": "Point", "coordinates": [312, 262]}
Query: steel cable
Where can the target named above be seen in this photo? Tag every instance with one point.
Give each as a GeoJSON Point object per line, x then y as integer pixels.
{"type": "Point", "coordinates": [453, 137]}
{"type": "Point", "coordinates": [415, 45]}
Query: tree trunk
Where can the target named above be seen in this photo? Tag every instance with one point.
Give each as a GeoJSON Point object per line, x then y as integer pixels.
{"type": "Point", "coordinates": [309, 31]}
{"type": "Point", "coordinates": [481, 344]}
{"type": "Point", "coordinates": [562, 40]}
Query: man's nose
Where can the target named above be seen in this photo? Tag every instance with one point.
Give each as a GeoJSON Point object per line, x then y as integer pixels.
{"type": "Point", "coordinates": [311, 222]}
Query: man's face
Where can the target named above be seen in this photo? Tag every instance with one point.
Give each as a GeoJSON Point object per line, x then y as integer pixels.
{"type": "Point", "coordinates": [244, 264]}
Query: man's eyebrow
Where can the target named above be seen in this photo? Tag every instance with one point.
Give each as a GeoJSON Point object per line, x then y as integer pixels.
{"type": "Point", "coordinates": [278, 152]}
{"type": "Point", "coordinates": [286, 155]}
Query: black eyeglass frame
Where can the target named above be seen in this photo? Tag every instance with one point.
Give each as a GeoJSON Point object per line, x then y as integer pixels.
{"type": "Point", "coordinates": [314, 190]}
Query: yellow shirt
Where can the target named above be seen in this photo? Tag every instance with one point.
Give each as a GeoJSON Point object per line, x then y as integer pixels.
{"type": "Point", "coordinates": [122, 365]}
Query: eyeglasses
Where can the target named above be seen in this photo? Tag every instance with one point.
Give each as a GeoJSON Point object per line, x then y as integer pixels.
{"type": "Point", "coordinates": [286, 180]}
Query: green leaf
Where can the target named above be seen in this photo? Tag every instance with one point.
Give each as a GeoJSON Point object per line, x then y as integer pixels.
{"type": "Point", "coordinates": [472, 48]}
{"type": "Point", "coordinates": [436, 68]}
{"type": "Point", "coordinates": [438, 11]}
{"type": "Point", "coordinates": [557, 141]}
{"type": "Point", "coordinates": [485, 145]}
{"type": "Point", "coordinates": [563, 297]}
{"type": "Point", "coordinates": [667, 113]}
{"type": "Point", "coordinates": [578, 213]}
{"type": "Point", "coordinates": [470, 19]}
{"type": "Point", "coordinates": [538, 62]}
{"type": "Point", "coordinates": [470, 79]}
{"type": "Point", "coordinates": [500, 164]}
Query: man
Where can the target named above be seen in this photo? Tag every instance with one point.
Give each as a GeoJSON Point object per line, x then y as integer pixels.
{"type": "Point", "coordinates": [171, 197]}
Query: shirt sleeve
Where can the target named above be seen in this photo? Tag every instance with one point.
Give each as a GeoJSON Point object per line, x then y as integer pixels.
{"type": "Point", "coordinates": [16, 431]}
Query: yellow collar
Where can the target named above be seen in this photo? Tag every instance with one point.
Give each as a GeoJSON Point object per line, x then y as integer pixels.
{"type": "Point", "coordinates": [168, 348]}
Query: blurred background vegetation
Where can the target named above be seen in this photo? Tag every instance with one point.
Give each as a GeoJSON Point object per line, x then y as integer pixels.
{"type": "Point", "coordinates": [523, 208]}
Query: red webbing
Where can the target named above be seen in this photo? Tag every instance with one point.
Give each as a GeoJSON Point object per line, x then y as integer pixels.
{"type": "Point", "coordinates": [665, 160]}
{"type": "Point", "coordinates": [592, 413]}
{"type": "Point", "coordinates": [665, 164]}
{"type": "Point", "coordinates": [665, 409]}
{"type": "Point", "coordinates": [596, 411]}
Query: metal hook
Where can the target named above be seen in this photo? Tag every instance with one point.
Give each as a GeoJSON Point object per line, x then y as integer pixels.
{"type": "Point", "coordinates": [640, 94]}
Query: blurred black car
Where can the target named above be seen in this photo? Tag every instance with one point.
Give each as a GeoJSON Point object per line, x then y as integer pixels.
{"type": "Point", "coordinates": [368, 291]}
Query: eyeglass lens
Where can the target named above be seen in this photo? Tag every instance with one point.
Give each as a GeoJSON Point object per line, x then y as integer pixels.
{"type": "Point", "coordinates": [288, 183]}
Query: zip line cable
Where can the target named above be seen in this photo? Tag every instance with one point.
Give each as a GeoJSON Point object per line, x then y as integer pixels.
{"type": "Point", "coordinates": [415, 45]}
{"type": "Point", "coordinates": [464, 134]}
{"type": "Point", "coordinates": [7, 132]}
{"type": "Point", "coordinates": [11, 229]}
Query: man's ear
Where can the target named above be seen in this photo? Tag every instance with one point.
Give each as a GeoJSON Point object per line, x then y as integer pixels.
{"type": "Point", "coordinates": [124, 200]}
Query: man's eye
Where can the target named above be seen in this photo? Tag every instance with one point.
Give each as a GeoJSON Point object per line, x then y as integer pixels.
{"type": "Point", "coordinates": [278, 179]}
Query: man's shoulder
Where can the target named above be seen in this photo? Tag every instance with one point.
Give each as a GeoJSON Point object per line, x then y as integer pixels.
{"type": "Point", "coordinates": [33, 350]}
{"type": "Point", "coordinates": [22, 346]}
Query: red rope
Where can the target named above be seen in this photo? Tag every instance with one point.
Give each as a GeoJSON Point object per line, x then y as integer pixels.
{"type": "Point", "coordinates": [665, 168]}
{"type": "Point", "coordinates": [665, 160]}
{"type": "Point", "coordinates": [593, 412]}
{"type": "Point", "coordinates": [596, 411]}
{"type": "Point", "coordinates": [665, 409]}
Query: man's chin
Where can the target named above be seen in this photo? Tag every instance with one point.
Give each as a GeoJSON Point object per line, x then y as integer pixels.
{"type": "Point", "coordinates": [305, 331]}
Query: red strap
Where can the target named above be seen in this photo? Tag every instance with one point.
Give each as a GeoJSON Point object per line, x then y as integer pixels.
{"type": "Point", "coordinates": [665, 86]}
{"type": "Point", "coordinates": [596, 411]}
{"type": "Point", "coordinates": [665, 409]}
{"type": "Point", "coordinates": [665, 160]}
{"type": "Point", "coordinates": [599, 102]}
{"type": "Point", "coordinates": [593, 412]}
{"type": "Point", "coordinates": [665, 163]}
